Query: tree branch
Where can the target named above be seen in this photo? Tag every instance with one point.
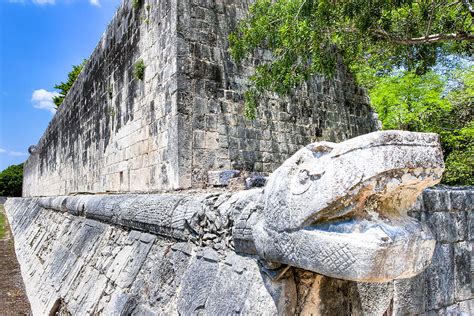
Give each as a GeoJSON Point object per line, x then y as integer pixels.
{"type": "Point", "coordinates": [429, 39]}
{"type": "Point", "coordinates": [299, 9]}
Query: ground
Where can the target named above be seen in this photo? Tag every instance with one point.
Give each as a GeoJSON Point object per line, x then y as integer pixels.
{"type": "Point", "coordinates": [13, 300]}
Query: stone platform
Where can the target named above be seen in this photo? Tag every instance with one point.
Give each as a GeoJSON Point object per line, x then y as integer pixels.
{"type": "Point", "coordinates": [87, 263]}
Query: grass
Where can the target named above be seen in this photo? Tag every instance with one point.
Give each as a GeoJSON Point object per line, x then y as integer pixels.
{"type": "Point", "coordinates": [2, 222]}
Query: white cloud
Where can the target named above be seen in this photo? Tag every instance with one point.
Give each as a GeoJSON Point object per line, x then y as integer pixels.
{"type": "Point", "coordinates": [17, 153]}
{"type": "Point", "coordinates": [43, 99]}
{"type": "Point", "coordinates": [41, 2]}
{"type": "Point", "coordinates": [12, 153]}
{"type": "Point", "coordinates": [95, 2]}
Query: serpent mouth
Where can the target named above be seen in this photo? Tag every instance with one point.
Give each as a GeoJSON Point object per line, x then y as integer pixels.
{"type": "Point", "coordinates": [370, 250]}
{"type": "Point", "coordinates": [369, 236]}
{"type": "Point", "coordinates": [388, 195]}
{"type": "Point", "coordinates": [378, 231]}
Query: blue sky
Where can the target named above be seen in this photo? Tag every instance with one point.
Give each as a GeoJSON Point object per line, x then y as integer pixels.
{"type": "Point", "coordinates": [40, 40]}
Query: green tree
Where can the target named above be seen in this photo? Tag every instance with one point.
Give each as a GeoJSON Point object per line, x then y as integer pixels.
{"type": "Point", "coordinates": [456, 129]}
{"type": "Point", "coordinates": [407, 101]}
{"type": "Point", "coordinates": [11, 181]}
{"type": "Point", "coordinates": [303, 36]}
{"type": "Point", "coordinates": [64, 87]}
{"type": "Point", "coordinates": [431, 103]}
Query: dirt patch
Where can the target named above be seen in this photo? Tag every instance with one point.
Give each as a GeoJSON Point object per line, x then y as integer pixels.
{"type": "Point", "coordinates": [13, 300]}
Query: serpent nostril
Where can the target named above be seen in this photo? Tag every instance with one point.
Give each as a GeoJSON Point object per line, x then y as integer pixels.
{"type": "Point", "coordinates": [305, 175]}
{"type": "Point", "coordinates": [385, 239]}
{"type": "Point", "coordinates": [315, 177]}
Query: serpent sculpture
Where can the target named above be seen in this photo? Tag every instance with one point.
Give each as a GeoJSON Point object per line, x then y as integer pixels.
{"type": "Point", "coordinates": [336, 209]}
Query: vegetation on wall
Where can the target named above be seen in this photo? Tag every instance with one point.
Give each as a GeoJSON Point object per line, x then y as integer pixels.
{"type": "Point", "coordinates": [136, 4]}
{"type": "Point", "coordinates": [395, 49]}
{"type": "Point", "coordinates": [139, 70]}
{"type": "Point", "coordinates": [11, 181]}
{"type": "Point", "coordinates": [64, 87]}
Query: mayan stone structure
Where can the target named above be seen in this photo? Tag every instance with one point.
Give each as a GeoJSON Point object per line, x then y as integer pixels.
{"type": "Point", "coordinates": [107, 255]}
{"type": "Point", "coordinates": [118, 133]}
{"type": "Point", "coordinates": [155, 196]}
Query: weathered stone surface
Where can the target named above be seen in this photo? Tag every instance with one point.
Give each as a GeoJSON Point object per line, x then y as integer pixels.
{"type": "Point", "coordinates": [409, 296]}
{"type": "Point", "coordinates": [451, 226]}
{"type": "Point", "coordinates": [340, 209]}
{"type": "Point", "coordinates": [84, 266]}
{"type": "Point", "coordinates": [116, 133]}
{"type": "Point", "coordinates": [463, 277]}
{"type": "Point", "coordinates": [221, 177]}
{"type": "Point", "coordinates": [255, 181]}
{"type": "Point", "coordinates": [440, 278]}
{"type": "Point", "coordinates": [465, 307]}
{"type": "Point", "coordinates": [445, 288]}
{"type": "Point", "coordinates": [97, 268]}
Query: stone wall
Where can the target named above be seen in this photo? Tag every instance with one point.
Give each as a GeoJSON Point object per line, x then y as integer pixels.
{"type": "Point", "coordinates": [447, 286]}
{"type": "Point", "coordinates": [211, 91]}
{"type": "Point", "coordinates": [117, 133]}
{"type": "Point", "coordinates": [114, 132]}
{"type": "Point", "coordinates": [108, 254]}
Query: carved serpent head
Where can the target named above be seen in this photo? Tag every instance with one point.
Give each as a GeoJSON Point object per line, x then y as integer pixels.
{"type": "Point", "coordinates": [340, 209]}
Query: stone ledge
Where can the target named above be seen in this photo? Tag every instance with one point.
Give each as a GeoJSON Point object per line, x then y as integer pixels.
{"type": "Point", "coordinates": [111, 267]}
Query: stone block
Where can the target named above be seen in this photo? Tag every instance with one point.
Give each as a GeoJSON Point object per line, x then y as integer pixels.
{"type": "Point", "coordinates": [460, 200]}
{"type": "Point", "coordinates": [409, 295]}
{"type": "Point", "coordinates": [439, 287]}
{"type": "Point", "coordinates": [221, 177]}
{"type": "Point", "coordinates": [447, 226]}
{"type": "Point", "coordinates": [255, 181]}
{"type": "Point", "coordinates": [436, 201]}
{"type": "Point", "coordinates": [466, 307]}
{"type": "Point", "coordinates": [199, 140]}
{"type": "Point", "coordinates": [463, 278]}
{"type": "Point", "coordinates": [212, 140]}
